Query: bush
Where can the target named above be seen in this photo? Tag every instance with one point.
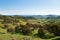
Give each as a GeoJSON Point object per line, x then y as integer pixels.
{"type": "Point", "coordinates": [41, 33]}
{"type": "Point", "coordinates": [26, 30]}
{"type": "Point", "coordinates": [5, 26]}
{"type": "Point", "coordinates": [17, 29]}
{"type": "Point", "coordinates": [10, 30]}
{"type": "Point", "coordinates": [54, 28]}
{"type": "Point", "coordinates": [56, 39]}
{"type": "Point", "coordinates": [48, 35]}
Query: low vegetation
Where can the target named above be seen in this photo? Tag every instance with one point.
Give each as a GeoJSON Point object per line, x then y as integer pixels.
{"type": "Point", "coordinates": [28, 28]}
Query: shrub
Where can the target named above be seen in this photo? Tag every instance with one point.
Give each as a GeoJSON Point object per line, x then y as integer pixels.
{"type": "Point", "coordinates": [41, 33]}
{"type": "Point", "coordinates": [5, 26]}
{"type": "Point", "coordinates": [53, 28]}
{"type": "Point", "coordinates": [48, 35]}
{"type": "Point", "coordinates": [10, 30]}
{"type": "Point", "coordinates": [17, 29]}
{"type": "Point", "coordinates": [26, 30]}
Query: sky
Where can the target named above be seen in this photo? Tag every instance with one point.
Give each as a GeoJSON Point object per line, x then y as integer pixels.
{"type": "Point", "coordinates": [29, 7]}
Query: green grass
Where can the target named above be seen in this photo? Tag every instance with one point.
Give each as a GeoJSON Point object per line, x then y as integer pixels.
{"type": "Point", "coordinates": [17, 37]}
{"type": "Point", "coordinates": [20, 37]}
{"type": "Point", "coordinates": [3, 31]}
{"type": "Point", "coordinates": [6, 36]}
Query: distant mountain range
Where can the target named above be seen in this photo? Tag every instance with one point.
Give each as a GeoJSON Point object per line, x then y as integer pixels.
{"type": "Point", "coordinates": [42, 16]}
{"type": "Point", "coordinates": [37, 16]}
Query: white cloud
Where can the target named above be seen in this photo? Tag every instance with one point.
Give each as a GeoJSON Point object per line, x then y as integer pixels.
{"type": "Point", "coordinates": [29, 12]}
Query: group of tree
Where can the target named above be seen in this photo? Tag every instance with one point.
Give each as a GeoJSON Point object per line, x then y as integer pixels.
{"type": "Point", "coordinates": [50, 27]}
{"type": "Point", "coordinates": [28, 28]}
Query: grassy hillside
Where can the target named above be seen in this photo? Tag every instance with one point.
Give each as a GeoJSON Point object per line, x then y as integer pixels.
{"type": "Point", "coordinates": [29, 28]}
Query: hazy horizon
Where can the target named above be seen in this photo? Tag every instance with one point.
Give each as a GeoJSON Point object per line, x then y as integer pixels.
{"type": "Point", "coordinates": [30, 7]}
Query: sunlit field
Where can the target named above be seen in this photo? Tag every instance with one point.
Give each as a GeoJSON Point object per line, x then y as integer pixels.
{"type": "Point", "coordinates": [29, 28]}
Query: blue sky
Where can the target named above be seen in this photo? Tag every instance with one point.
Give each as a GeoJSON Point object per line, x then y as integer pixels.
{"type": "Point", "coordinates": [29, 7]}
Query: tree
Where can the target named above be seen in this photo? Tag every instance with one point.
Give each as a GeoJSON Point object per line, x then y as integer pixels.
{"type": "Point", "coordinates": [53, 28]}
{"type": "Point", "coordinates": [41, 32]}
{"type": "Point", "coordinates": [17, 29]}
{"type": "Point", "coordinates": [26, 30]}
{"type": "Point", "coordinates": [10, 30]}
